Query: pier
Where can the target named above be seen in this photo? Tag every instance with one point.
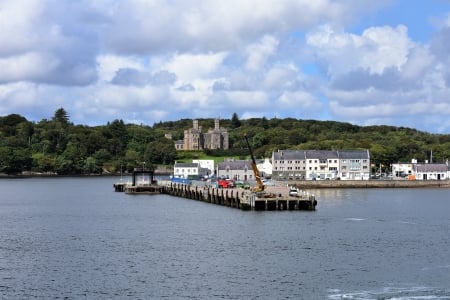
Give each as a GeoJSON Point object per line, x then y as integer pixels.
{"type": "Point", "coordinates": [241, 198]}
{"type": "Point", "coordinates": [277, 200]}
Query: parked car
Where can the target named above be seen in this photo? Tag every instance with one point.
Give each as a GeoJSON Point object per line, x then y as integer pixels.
{"type": "Point", "coordinates": [293, 192]}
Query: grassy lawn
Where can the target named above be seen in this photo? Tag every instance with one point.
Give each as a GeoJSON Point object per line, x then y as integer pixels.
{"type": "Point", "coordinates": [188, 156]}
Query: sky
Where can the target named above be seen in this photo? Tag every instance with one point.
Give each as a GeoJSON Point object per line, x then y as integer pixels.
{"type": "Point", "coordinates": [364, 62]}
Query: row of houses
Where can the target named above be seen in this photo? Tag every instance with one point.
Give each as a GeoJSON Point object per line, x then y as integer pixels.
{"type": "Point", "coordinates": [287, 165]}
{"type": "Point", "coordinates": [321, 165]}
{"type": "Point", "coordinates": [310, 165]}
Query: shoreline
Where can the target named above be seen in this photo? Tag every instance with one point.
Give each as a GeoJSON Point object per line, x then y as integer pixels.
{"type": "Point", "coordinates": [304, 184]}
{"type": "Point", "coordinates": [371, 184]}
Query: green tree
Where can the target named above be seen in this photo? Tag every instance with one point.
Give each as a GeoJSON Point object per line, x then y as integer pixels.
{"type": "Point", "coordinates": [235, 123]}
{"type": "Point", "coordinates": [61, 116]}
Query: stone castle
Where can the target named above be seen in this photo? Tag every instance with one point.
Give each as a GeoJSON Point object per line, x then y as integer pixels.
{"type": "Point", "coordinates": [195, 139]}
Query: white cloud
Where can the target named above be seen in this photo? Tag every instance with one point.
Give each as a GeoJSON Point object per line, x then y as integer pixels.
{"type": "Point", "coordinates": [18, 21]}
{"type": "Point", "coordinates": [30, 66]}
{"type": "Point", "coordinates": [140, 59]}
{"type": "Point", "coordinates": [300, 101]}
{"type": "Point", "coordinates": [377, 49]}
{"type": "Point", "coordinates": [191, 66]}
{"type": "Point", "coordinates": [259, 53]}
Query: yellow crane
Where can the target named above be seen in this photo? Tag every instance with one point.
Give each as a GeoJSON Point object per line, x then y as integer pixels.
{"type": "Point", "coordinates": [260, 187]}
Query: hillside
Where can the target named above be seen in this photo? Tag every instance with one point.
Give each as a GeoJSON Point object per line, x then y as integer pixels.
{"type": "Point", "coordinates": [59, 146]}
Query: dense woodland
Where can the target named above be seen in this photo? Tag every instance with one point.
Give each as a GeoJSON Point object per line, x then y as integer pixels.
{"type": "Point", "coordinates": [57, 146]}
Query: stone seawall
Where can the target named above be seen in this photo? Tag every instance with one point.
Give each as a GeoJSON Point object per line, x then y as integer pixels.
{"type": "Point", "coordinates": [371, 184]}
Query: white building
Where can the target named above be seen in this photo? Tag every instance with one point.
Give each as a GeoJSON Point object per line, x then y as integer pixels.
{"type": "Point", "coordinates": [431, 171]}
{"type": "Point", "coordinates": [321, 165]}
{"type": "Point", "coordinates": [206, 164]}
{"type": "Point", "coordinates": [189, 170]}
{"type": "Point", "coordinates": [421, 171]}
{"type": "Point", "coordinates": [265, 168]}
{"type": "Point", "coordinates": [236, 169]}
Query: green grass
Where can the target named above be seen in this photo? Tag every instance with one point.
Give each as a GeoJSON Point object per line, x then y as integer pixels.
{"type": "Point", "coordinates": [188, 156]}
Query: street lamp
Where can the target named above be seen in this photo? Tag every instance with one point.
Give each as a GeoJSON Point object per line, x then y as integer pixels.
{"type": "Point", "coordinates": [143, 170]}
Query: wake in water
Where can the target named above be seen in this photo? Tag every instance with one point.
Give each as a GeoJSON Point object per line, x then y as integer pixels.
{"type": "Point", "coordinates": [392, 293]}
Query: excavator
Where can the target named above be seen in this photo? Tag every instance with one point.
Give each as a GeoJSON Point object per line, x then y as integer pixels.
{"type": "Point", "coordinates": [260, 186]}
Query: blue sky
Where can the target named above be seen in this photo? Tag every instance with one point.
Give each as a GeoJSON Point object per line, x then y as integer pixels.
{"type": "Point", "coordinates": [364, 62]}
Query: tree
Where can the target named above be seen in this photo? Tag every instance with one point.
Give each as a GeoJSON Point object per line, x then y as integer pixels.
{"type": "Point", "coordinates": [61, 116]}
{"type": "Point", "coordinates": [235, 123]}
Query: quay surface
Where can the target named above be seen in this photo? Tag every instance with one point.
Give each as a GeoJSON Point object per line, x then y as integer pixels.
{"type": "Point", "coordinates": [275, 198]}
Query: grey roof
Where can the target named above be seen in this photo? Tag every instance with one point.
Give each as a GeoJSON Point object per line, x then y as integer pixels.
{"type": "Point", "coordinates": [186, 165]}
{"type": "Point", "coordinates": [431, 168]}
{"type": "Point", "coordinates": [234, 165]}
{"type": "Point", "coordinates": [353, 154]}
{"type": "Point", "coordinates": [321, 154]}
{"type": "Point", "coordinates": [289, 154]}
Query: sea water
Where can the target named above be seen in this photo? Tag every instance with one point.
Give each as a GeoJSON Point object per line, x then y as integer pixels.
{"type": "Point", "coordinates": [75, 238]}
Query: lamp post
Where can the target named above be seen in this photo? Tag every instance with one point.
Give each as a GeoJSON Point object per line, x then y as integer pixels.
{"type": "Point", "coordinates": [143, 170]}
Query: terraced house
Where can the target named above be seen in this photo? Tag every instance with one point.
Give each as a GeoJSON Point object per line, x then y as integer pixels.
{"type": "Point", "coordinates": [321, 165]}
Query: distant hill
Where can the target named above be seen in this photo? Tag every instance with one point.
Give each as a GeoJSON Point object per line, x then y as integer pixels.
{"type": "Point", "coordinates": [57, 145]}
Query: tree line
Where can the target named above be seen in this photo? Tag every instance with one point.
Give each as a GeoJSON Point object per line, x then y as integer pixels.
{"type": "Point", "coordinates": [58, 146]}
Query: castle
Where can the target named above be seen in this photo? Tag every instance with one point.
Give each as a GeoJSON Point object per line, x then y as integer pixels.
{"type": "Point", "coordinates": [194, 139]}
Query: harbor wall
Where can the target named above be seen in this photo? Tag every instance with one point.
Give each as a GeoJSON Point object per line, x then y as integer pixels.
{"type": "Point", "coordinates": [309, 184]}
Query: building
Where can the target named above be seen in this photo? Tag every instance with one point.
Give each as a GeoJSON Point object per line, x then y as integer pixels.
{"type": "Point", "coordinates": [216, 138]}
{"type": "Point", "coordinates": [403, 169]}
{"type": "Point", "coordinates": [321, 165]}
{"type": "Point", "coordinates": [207, 164]}
{"type": "Point", "coordinates": [265, 168]}
{"type": "Point", "coordinates": [236, 169]}
{"type": "Point", "coordinates": [431, 172]}
{"type": "Point", "coordinates": [354, 165]}
{"type": "Point", "coordinates": [195, 139]}
{"type": "Point", "coordinates": [189, 171]}
{"type": "Point", "coordinates": [421, 171]}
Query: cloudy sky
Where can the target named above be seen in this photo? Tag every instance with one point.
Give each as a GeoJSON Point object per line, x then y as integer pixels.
{"type": "Point", "coordinates": [382, 62]}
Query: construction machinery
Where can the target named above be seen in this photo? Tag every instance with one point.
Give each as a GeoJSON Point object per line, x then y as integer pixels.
{"type": "Point", "coordinates": [260, 185]}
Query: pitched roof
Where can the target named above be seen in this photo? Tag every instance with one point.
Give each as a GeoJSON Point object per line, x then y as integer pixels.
{"type": "Point", "coordinates": [353, 154]}
{"type": "Point", "coordinates": [186, 165]}
{"type": "Point", "coordinates": [321, 154]}
{"type": "Point", "coordinates": [431, 168]}
{"type": "Point", "coordinates": [234, 165]}
{"type": "Point", "coordinates": [289, 154]}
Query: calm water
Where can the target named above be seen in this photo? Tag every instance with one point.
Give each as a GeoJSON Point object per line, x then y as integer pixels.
{"type": "Point", "coordinates": [75, 238]}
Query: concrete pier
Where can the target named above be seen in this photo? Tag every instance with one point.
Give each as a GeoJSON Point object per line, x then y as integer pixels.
{"type": "Point", "coordinates": [240, 198]}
